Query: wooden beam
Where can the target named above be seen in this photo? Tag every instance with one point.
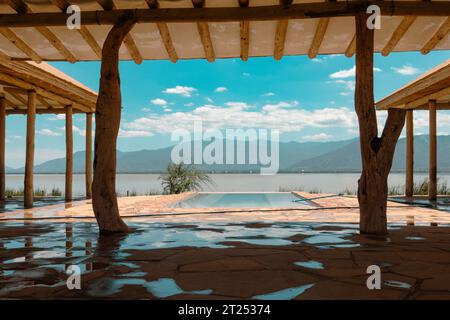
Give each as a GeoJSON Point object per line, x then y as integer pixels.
{"type": "Point", "coordinates": [244, 27]}
{"type": "Point", "coordinates": [230, 14]}
{"type": "Point", "coordinates": [29, 153]}
{"type": "Point", "coordinates": [440, 34]}
{"type": "Point", "coordinates": [20, 44]}
{"type": "Point", "coordinates": [69, 155]}
{"type": "Point", "coordinates": [40, 91]}
{"type": "Point", "coordinates": [164, 33]}
{"type": "Point", "coordinates": [22, 8]}
{"type": "Point", "coordinates": [108, 5]}
{"type": "Point", "coordinates": [432, 188]}
{"type": "Point", "coordinates": [83, 31]}
{"type": "Point", "coordinates": [351, 48]}
{"type": "Point", "coordinates": [321, 29]}
{"type": "Point", "coordinates": [203, 31]}
{"type": "Point", "coordinates": [399, 32]}
{"type": "Point", "coordinates": [88, 153]}
{"type": "Point", "coordinates": [409, 179]}
{"type": "Point", "coordinates": [280, 34]}
{"type": "Point", "coordinates": [2, 144]}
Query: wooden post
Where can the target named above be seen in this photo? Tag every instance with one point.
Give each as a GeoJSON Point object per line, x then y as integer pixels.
{"type": "Point", "coordinates": [432, 189]}
{"type": "Point", "coordinates": [2, 145]}
{"type": "Point", "coordinates": [409, 183]}
{"type": "Point", "coordinates": [107, 123]}
{"type": "Point", "coordinates": [69, 154]}
{"type": "Point", "coordinates": [88, 160]}
{"type": "Point", "coordinates": [29, 157]}
{"type": "Point", "coordinates": [376, 152]}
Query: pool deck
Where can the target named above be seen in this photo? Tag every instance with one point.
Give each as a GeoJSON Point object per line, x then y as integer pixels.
{"type": "Point", "coordinates": [261, 253]}
{"type": "Point", "coordinates": [339, 209]}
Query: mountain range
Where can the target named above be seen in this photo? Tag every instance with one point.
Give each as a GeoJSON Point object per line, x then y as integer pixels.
{"type": "Point", "coordinates": [335, 156]}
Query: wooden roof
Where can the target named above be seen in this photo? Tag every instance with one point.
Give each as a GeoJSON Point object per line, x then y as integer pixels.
{"type": "Point", "coordinates": [196, 29]}
{"type": "Point", "coordinates": [54, 89]}
{"type": "Point", "coordinates": [432, 85]}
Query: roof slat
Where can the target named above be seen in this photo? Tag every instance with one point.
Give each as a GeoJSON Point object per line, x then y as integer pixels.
{"type": "Point", "coordinates": [443, 31]}
{"type": "Point", "coordinates": [402, 28]}
{"type": "Point", "coordinates": [203, 31]}
{"type": "Point", "coordinates": [20, 44]}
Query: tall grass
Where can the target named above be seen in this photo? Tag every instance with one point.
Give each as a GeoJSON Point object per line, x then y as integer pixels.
{"type": "Point", "coordinates": [38, 192]}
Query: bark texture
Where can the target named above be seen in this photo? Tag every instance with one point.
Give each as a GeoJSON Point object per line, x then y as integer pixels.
{"type": "Point", "coordinates": [107, 117]}
{"type": "Point", "coordinates": [376, 152]}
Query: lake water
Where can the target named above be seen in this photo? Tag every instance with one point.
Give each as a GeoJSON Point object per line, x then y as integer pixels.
{"type": "Point", "coordinates": [146, 183]}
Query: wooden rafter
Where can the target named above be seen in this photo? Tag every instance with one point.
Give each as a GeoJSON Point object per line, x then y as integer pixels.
{"type": "Point", "coordinates": [21, 7]}
{"type": "Point", "coordinates": [230, 14]}
{"type": "Point", "coordinates": [351, 48]}
{"type": "Point", "coordinates": [321, 29]}
{"type": "Point", "coordinates": [319, 35]}
{"type": "Point", "coordinates": [244, 27]}
{"type": "Point", "coordinates": [108, 5]}
{"type": "Point", "coordinates": [83, 31]}
{"type": "Point", "coordinates": [280, 34]}
{"type": "Point", "coordinates": [402, 28]}
{"type": "Point", "coordinates": [20, 44]}
{"type": "Point", "coordinates": [13, 81]}
{"type": "Point", "coordinates": [164, 33]}
{"type": "Point", "coordinates": [440, 34]}
{"type": "Point", "coordinates": [203, 31]}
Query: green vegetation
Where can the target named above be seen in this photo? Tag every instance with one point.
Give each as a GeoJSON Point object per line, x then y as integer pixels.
{"type": "Point", "coordinates": [38, 192]}
{"type": "Point", "coordinates": [420, 189]}
{"type": "Point", "coordinates": [182, 178]}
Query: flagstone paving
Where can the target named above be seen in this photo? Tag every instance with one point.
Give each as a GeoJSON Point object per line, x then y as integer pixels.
{"type": "Point", "coordinates": [242, 254]}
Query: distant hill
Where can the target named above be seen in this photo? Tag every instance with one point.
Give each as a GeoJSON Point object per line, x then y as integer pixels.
{"type": "Point", "coordinates": [335, 156]}
{"type": "Point", "coordinates": [348, 159]}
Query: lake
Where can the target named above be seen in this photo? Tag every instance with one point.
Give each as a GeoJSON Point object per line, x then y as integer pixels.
{"type": "Point", "coordinates": [145, 183]}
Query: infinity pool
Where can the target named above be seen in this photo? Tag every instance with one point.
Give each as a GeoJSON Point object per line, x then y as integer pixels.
{"type": "Point", "coordinates": [244, 200]}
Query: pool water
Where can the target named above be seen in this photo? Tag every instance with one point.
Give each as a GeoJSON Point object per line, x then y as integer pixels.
{"type": "Point", "coordinates": [244, 200]}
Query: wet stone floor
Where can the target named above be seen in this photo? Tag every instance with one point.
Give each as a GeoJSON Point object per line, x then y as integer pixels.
{"type": "Point", "coordinates": [221, 260]}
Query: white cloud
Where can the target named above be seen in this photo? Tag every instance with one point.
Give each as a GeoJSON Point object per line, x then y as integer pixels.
{"type": "Point", "coordinates": [406, 70]}
{"type": "Point", "coordinates": [348, 73]}
{"type": "Point", "coordinates": [146, 109]}
{"type": "Point", "coordinates": [159, 102]}
{"type": "Point", "coordinates": [48, 132]}
{"type": "Point", "coordinates": [221, 89]}
{"type": "Point", "coordinates": [209, 100]}
{"type": "Point", "coordinates": [282, 116]}
{"type": "Point", "coordinates": [246, 74]}
{"type": "Point", "coordinates": [268, 94]}
{"type": "Point", "coordinates": [190, 104]}
{"type": "Point", "coordinates": [181, 90]}
{"type": "Point", "coordinates": [318, 137]}
{"type": "Point", "coordinates": [60, 116]}
{"type": "Point", "coordinates": [134, 133]}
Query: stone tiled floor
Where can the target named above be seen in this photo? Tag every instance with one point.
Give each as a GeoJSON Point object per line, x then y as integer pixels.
{"type": "Point", "coordinates": [314, 253]}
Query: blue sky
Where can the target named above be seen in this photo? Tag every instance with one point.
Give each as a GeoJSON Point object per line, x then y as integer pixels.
{"type": "Point", "coordinates": [307, 100]}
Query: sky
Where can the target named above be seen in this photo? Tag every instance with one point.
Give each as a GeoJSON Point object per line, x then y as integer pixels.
{"type": "Point", "coordinates": [305, 99]}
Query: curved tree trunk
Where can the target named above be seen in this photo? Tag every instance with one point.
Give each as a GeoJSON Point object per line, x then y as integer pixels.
{"type": "Point", "coordinates": [107, 117]}
{"type": "Point", "coordinates": [376, 152]}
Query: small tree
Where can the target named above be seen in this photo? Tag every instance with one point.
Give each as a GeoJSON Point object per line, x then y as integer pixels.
{"type": "Point", "coordinates": [182, 178]}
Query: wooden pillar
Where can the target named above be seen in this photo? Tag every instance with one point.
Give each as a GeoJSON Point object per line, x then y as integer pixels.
{"type": "Point", "coordinates": [69, 154]}
{"type": "Point", "coordinates": [107, 123]}
{"type": "Point", "coordinates": [2, 145]}
{"type": "Point", "coordinates": [432, 188]}
{"type": "Point", "coordinates": [88, 160]}
{"type": "Point", "coordinates": [377, 151]}
{"type": "Point", "coordinates": [29, 156]}
{"type": "Point", "coordinates": [409, 183]}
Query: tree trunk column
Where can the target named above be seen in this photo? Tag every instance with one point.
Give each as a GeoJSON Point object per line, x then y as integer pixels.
{"type": "Point", "coordinates": [107, 123]}
{"type": "Point", "coordinates": [376, 152]}
{"type": "Point", "coordinates": [432, 190]}
{"type": "Point", "coordinates": [409, 183]}
{"type": "Point", "coordinates": [29, 154]}
{"type": "Point", "coordinates": [2, 145]}
{"type": "Point", "coordinates": [69, 154]}
{"type": "Point", "coordinates": [88, 160]}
